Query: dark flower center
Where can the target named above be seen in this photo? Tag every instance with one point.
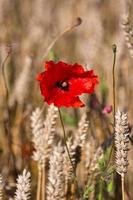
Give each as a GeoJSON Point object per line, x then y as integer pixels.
{"type": "Point", "coordinates": [64, 85]}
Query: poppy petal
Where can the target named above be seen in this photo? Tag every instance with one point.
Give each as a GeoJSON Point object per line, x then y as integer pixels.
{"type": "Point", "coordinates": [75, 78]}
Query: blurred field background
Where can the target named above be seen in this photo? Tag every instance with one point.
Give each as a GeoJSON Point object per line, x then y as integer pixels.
{"type": "Point", "coordinates": [27, 28]}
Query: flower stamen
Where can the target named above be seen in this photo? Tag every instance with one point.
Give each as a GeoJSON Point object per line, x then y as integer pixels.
{"type": "Point", "coordinates": [64, 85]}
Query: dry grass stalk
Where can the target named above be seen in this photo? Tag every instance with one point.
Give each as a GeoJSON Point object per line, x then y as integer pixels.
{"type": "Point", "coordinates": [55, 187]}
{"type": "Point", "coordinates": [43, 135]}
{"type": "Point", "coordinates": [121, 145]}
{"type": "Point", "coordinates": [128, 32]}
{"type": "Point", "coordinates": [23, 186]}
{"type": "Point", "coordinates": [77, 22]}
{"type": "Point", "coordinates": [90, 43]}
{"type": "Point", "coordinates": [22, 84]}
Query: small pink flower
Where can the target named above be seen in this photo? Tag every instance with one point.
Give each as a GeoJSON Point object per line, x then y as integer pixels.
{"type": "Point", "coordinates": [107, 109]}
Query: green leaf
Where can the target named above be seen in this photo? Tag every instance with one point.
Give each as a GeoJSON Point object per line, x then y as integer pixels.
{"type": "Point", "coordinates": [102, 164]}
{"type": "Point", "coordinates": [88, 190]}
{"type": "Point", "coordinates": [100, 196]}
{"type": "Point", "coordinates": [110, 187]}
{"type": "Point", "coordinates": [52, 56]}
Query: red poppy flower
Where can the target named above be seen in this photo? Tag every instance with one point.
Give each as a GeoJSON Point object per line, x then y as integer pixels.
{"type": "Point", "coordinates": [62, 83]}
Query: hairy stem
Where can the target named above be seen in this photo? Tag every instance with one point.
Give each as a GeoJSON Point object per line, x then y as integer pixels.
{"type": "Point", "coordinates": [65, 140]}
{"type": "Point", "coordinates": [114, 47]}
{"type": "Point", "coordinates": [113, 75]}
{"type": "Point", "coordinates": [69, 28]}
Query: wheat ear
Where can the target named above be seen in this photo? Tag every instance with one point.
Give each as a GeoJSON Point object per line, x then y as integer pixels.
{"type": "Point", "coordinates": [75, 149]}
{"type": "Point", "coordinates": [1, 187]}
{"type": "Point", "coordinates": [121, 145]}
{"type": "Point", "coordinates": [128, 32]}
{"type": "Point", "coordinates": [42, 137]}
{"type": "Point", "coordinates": [23, 186]}
{"type": "Point", "coordinates": [55, 187]}
{"type": "Point", "coordinates": [92, 165]}
{"type": "Point", "coordinates": [82, 131]}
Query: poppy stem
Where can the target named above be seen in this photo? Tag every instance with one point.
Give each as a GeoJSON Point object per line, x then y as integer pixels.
{"type": "Point", "coordinates": [65, 140]}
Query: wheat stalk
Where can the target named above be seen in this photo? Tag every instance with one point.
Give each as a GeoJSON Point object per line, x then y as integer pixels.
{"type": "Point", "coordinates": [121, 145]}
{"type": "Point", "coordinates": [82, 131]}
{"type": "Point", "coordinates": [90, 149]}
{"type": "Point", "coordinates": [94, 171]}
{"type": "Point", "coordinates": [92, 155]}
{"type": "Point", "coordinates": [1, 187]}
{"type": "Point", "coordinates": [43, 135]}
{"type": "Point", "coordinates": [67, 167]}
{"type": "Point", "coordinates": [37, 126]}
{"type": "Point", "coordinates": [55, 187]}
{"type": "Point", "coordinates": [80, 137]}
{"type": "Point", "coordinates": [128, 32]}
{"type": "Point", "coordinates": [23, 186]}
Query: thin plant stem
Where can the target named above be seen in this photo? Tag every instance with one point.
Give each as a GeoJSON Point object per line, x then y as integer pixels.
{"type": "Point", "coordinates": [73, 189]}
{"type": "Point", "coordinates": [39, 182]}
{"type": "Point", "coordinates": [122, 185]}
{"type": "Point", "coordinates": [67, 191]}
{"type": "Point", "coordinates": [114, 48]}
{"type": "Point", "coordinates": [65, 140]}
{"type": "Point", "coordinates": [7, 112]}
{"type": "Point", "coordinates": [43, 182]}
{"type": "Point", "coordinates": [69, 28]}
{"type": "Point", "coordinates": [3, 75]}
